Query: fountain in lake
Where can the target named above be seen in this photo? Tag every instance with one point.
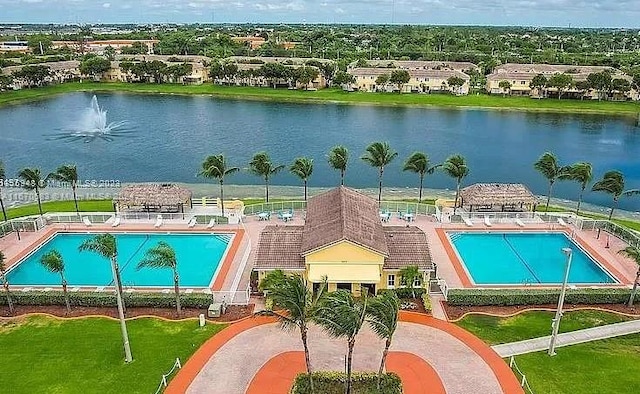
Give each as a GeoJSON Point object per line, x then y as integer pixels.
{"type": "Point", "coordinates": [93, 125]}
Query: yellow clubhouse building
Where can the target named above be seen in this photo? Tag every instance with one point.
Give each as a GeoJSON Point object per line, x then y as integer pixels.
{"type": "Point", "coordinates": [343, 239]}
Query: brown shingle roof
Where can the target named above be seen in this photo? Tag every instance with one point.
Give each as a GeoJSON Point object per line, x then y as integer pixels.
{"type": "Point", "coordinates": [343, 214]}
{"type": "Point", "coordinates": [279, 247]}
{"type": "Point", "coordinates": [407, 246]}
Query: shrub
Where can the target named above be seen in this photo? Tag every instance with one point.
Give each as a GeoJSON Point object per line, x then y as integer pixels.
{"type": "Point", "coordinates": [108, 299]}
{"type": "Point", "coordinates": [333, 383]}
{"type": "Point", "coordinates": [405, 292]}
{"type": "Point", "coordinates": [426, 301]}
{"type": "Point", "coordinates": [506, 297]}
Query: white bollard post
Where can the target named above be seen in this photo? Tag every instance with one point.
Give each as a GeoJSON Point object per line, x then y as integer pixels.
{"type": "Point", "coordinates": [202, 320]}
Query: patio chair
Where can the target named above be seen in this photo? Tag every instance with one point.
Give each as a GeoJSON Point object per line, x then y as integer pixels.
{"type": "Point", "coordinates": [487, 222]}
{"type": "Point", "coordinates": [562, 222]}
{"type": "Point", "coordinates": [280, 215]}
{"type": "Point", "coordinates": [86, 221]}
{"type": "Point", "coordinates": [519, 222]}
{"type": "Point", "coordinates": [212, 223]}
{"type": "Point", "coordinates": [467, 221]}
{"type": "Point", "coordinates": [116, 222]}
{"type": "Point", "coordinates": [192, 222]}
{"type": "Point", "coordinates": [158, 222]}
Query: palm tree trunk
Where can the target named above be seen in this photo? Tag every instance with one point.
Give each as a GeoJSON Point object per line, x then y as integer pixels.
{"type": "Point", "coordinates": [39, 203]}
{"type": "Point", "coordinates": [66, 295]}
{"type": "Point", "coordinates": [341, 178]}
{"type": "Point", "coordinates": [352, 342]}
{"type": "Point", "coordinates": [455, 204]}
{"type": "Point", "coordinates": [305, 190]}
{"type": "Point", "coordinates": [5, 284]}
{"type": "Point", "coordinates": [118, 279]}
{"type": "Point", "coordinates": [266, 185]}
{"type": "Point", "coordinates": [75, 199]}
{"type": "Point", "coordinates": [579, 202]}
{"type": "Point", "coordinates": [634, 290]}
{"type": "Point", "coordinates": [613, 208]}
{"type": "Point", "coordinates": [307, 359]}
{"type": "Point", "coordinates": [222, 196]}
{"type": "Point", "coordinates": [380, 185]}
{"type": "Point", "coordinates": [549, 196]}
{"type": "Point", "coordinates": [420, 192]}
{"type": "Point", "coordinates": [123, 325]}
{"type": "Point", "coordinates": [4, 212]}
{"type": "Point", "coordinates": [176, 287]}
{"type": "Point", "coordinates": [383, 361]}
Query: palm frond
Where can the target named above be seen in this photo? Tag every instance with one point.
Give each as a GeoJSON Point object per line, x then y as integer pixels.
{"type": "Point", "coordinates": [548, 166]}
{"type": "Point", "coordinates": [302, 167]}
{"type": "Point", "coordinates": [338, 157]}
{"type": "Point", "coordinates": [160, 256]}
{"type": "Point", "coordinates": [2, 266]}
{"type": "Point", "coordinates": [612, 182]}
{"type": "Point", "coordinates": [102, 244]}
{"type": "Point", "coordinates": [31, 178]}
{"type": "Point", "coordinates": [382, 313]}
{"type": "Point", "coordinates": [67, 173]}
{"type": "Point", "coordinates": [456, 166]}
{"type": "Point", "coordinates": [52, 261]}
{"type": "Point", "coordinates": [632, 253]}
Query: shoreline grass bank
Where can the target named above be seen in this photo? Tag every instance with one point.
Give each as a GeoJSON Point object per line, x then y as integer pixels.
{"type": "Point", "coordinates": [335, 96]}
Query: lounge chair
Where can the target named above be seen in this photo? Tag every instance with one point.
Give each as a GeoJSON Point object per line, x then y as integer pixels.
{"type": "Point", "coordinates": [158, 221]}
{"type": "Point", "coordinates": [519, 222]}
{"type": "Point", "coordinates": [86, 221]}
{"type": "Point", "coordinates": [562, 222]}
{"type": "Point", "coordinates": [487, 222]}
{"type": "Point", "coordinates": [116, 222]}
{"type": "Point", "coordinates": [192, 222]}
{"type": "Point", "coordinates": [212, 223]}
{"type": "Point", "coordinates": [467, 221]}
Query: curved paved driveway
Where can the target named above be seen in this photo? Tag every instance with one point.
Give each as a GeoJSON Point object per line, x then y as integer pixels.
{"type": "Point", "coordinates": [463, 367]}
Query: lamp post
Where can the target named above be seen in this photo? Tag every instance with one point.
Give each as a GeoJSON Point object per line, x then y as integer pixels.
{"type": "Point", "coordinates": [556, 320]}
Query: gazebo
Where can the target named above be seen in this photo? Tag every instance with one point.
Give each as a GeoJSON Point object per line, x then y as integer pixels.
{"type": "Point", "coordinates": [153, 197]}
{"type": "Point", "coordinates": [490, 197]}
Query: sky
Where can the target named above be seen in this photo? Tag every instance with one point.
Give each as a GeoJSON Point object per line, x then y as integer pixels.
{"type": "Point", "coordinates": [562, 13]}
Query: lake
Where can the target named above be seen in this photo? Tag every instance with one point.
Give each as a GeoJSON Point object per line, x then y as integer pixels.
{"type": "Point", "coordinates": [167, 137]}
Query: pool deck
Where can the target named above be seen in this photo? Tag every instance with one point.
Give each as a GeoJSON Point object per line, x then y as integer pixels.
{"type": "Point", "coordinates": [233, 274]}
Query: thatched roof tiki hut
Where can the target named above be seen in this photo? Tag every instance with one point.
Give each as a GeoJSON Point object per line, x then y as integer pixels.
{"type": "Point", "coordinates": [497, 197]}
{"type": "Point", "coordinates": [153, 197]}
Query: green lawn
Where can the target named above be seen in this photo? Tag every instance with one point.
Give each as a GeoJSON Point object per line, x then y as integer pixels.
{"type": "Point", "coordinates": [527, 325]}
{"type": "Point", "coordinates": [336, 96]}
{"type": "Point", "coordinates": [609, 366]}
{"type": "Point", "coordinates": [61, 206]}
{"type": "Point", "coordinates": [41, 354]}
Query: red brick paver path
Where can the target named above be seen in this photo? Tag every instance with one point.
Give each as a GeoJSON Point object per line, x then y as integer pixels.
{"type": "Point", "coordinates": [234, 360]}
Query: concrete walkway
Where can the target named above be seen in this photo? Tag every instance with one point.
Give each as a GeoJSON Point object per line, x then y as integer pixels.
{"type": "Point", "coordinates": [568, 338]}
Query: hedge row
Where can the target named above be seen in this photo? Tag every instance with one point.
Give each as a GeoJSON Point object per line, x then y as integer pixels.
{"type": "Point", "coordinates": [506, 297]}
{"type": "Point", "coordinates": [108, 299]}
{"type": "Point", "coordinates": [405, 292]}
{"type": "Point", "coordinates": [327, 382]}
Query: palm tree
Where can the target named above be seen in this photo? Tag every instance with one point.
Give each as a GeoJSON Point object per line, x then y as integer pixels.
{"type": "Point", "coordinates": [53, 262]}
{"type": "Point", "coordinates": [32, 180]}
{"type": "Point", "coordinates": [295, 305]}
{"type": "Point", "coordinates": [581, 172]}
{"type": "Point", "coordinates": [105, 246]}
{"type": "Point", "coordinates": [633, 254]}
{"type": "Point", "coordinates": [379, 154]}
{"type": "Point", "coordinates": [419, 163]}
{"type": "Point", "coordinates": [2, 178]}
{"type": "Point", "coordinates": [338, 159]}
{"type": "Point", "coordinates": [261, 165]}
{"type": "Point", "coordinates": [456, 167]}
{"type": "Point", "coordinates": [341, 315]}
{"type": "Point", "coordinates": [163, 256]}
{"type": "Point", "coordinates": [215, 167]}
{"type": "Point", "coordinates": [612, 182]}
{"type": "Point", "coordinates": [548, 166]}
{"type": "Point", "coordinates": [382, 314]}
{"type": "Point", "coordinates": [67, 173]}
{"type": "Point", "coordinates": [409, 276]}
{"type": "Point", "coordinates": [5, 283]}
{"type": "Point", "coordinates": [302, 167]}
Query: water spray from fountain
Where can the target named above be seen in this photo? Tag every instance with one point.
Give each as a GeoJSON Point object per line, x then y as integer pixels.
{"type": "Point", "coordinates": [93, 125]}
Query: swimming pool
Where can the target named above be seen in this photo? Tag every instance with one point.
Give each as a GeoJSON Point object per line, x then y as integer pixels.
{"type": "Point", "coordinates": [199, 258]}
{"type": "Point", "coordinates": [525, 258]}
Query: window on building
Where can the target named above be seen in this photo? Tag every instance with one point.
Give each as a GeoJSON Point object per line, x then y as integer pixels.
{"type": "Point", "coordinates": [391, 280]}
{"type": "Point", "coordinates": [344, 286]}
{"type": "Point", "coordinates": [523, 82]}
{"type": "Point", "coordinates": [416, 282]}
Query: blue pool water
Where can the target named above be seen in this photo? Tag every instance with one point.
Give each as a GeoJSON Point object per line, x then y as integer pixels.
{"type": "Point", "coordinates": [198, 255]}
{"type": "Point", "coordinates": [525, 258]}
